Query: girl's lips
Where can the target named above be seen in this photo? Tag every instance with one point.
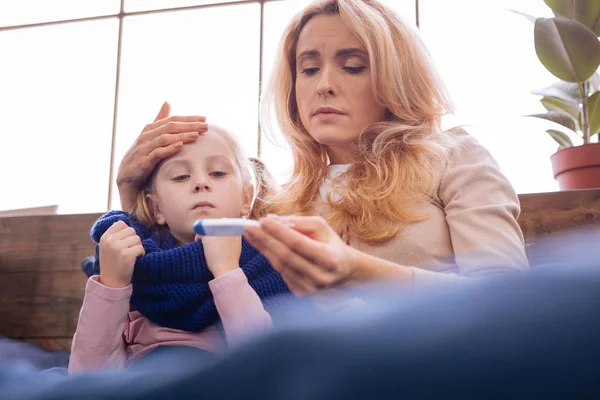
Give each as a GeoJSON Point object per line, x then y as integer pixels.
{"type": "Point", "coordinates": [203, 205]}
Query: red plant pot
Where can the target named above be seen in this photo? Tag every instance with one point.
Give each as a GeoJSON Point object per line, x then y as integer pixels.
{"type": "Point", "coordinates": [577, 167]}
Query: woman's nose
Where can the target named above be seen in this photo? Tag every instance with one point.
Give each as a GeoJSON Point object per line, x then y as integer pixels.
{"type": "Point", "coordinates": [325, 85]}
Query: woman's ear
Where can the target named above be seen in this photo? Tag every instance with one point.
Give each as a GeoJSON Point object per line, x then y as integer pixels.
{"type": "Point", "coordinates": [248, 200]}
{"type": "Point", "coordinates": [155, 209]}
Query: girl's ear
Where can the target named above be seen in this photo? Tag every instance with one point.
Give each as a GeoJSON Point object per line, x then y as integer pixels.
{"type": "Point", "coordinates": [248, 198]}
{"type": "Point", "coordinates": [155, 208]}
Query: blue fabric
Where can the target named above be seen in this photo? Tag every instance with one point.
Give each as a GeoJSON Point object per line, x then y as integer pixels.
{"type": "Point", "coordinates": [530, 335]}
{"type": "Point", "coordinates": [170, 282]}
{"type": "Point", "coordinates": [14, 351]}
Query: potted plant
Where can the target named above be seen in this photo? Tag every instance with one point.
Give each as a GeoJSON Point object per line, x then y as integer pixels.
{"type": "Point", "coordinates": [568, 47]}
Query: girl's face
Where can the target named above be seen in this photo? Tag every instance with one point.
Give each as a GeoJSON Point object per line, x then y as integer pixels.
{"type": "Point", "coordinates": [334, 90]}
{"type": "Point", "coordinates": [202, 181]}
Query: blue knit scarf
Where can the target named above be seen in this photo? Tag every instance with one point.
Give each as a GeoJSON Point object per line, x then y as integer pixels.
{"type": "Point", "coordinates": [170, 282]}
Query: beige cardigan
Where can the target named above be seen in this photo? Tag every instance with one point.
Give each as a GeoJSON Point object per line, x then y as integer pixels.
{"type": "Point", "coordinates": [472, 227]}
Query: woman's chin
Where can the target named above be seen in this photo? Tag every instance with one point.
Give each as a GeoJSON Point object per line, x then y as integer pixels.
{"type": "Point", "coordinates": [334, 136]}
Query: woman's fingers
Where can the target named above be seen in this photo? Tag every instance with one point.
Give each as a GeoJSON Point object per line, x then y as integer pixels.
{"type": "Point", "coordinates": [172, 120]}
{"type": "Point", "coordinates": [280, 256]}
{"type": "Point", "coordinates": [297, 268]}
{"type": "Point", "coordinates": [159, 148]}
{"type": "Point", "coordinates": [296, 281]}
{"type": "Point", "coordinates": [308, 247]}
{"type": "Point", "coordinates": [173, 127]}
{"type": "Point", "coordinates": [314, 227]}
{"type": "Point", "coordinates": [167, 140]}
{"type": "Point", "coordinates": [147, 163]}
{"type": "Point", "coordinates": [165, 111]}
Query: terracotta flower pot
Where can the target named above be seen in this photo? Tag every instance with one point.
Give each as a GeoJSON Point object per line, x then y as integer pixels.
{"type": "Point", "coordinates": [577, 167]}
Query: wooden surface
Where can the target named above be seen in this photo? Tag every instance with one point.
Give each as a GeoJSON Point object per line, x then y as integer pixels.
{"type": "Point", "coordinates": [41, 281]}
{"type": "Point", "coordinates": [50, 344]}
{"type": "Point", "coordinates": [546, 213]}
{"type": "Point", "coordinates": [40, 304]}
{"type": "Point", "coordinates": [559, 226]}
{"type": "Point", "coordinates": [43, 210]}
{"type": "Point", "coordinates": [42, 284]}
{"type": "Point", "coordinates": [45, 243]}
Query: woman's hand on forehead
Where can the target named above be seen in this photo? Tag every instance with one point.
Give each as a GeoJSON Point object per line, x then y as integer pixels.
{"type": "Point", "coordinates": [159, 140]}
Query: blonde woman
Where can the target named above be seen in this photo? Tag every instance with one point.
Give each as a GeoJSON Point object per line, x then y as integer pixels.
{"type": "Point", "coordinates": [378, 190]}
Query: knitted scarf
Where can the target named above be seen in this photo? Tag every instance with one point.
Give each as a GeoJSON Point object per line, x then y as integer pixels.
{"type": "Point", "coordinates": [170, 282]}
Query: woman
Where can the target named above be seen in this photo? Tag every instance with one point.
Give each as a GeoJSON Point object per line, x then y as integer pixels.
{"type": "Point", "coordinates": [378, 191]}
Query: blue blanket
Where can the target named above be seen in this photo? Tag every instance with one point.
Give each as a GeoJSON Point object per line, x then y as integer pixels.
{"type": "Point", "coordinates": [531, 335]}
{"type": "Point", "coordinates": [16, 352]}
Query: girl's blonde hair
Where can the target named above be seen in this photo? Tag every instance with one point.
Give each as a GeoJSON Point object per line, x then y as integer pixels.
{"type": "Point", "coordinates": [253, 171]}
{"type": "Point", "coordinates": [396, 158]}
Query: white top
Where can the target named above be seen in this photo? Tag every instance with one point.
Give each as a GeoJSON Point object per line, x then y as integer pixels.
{"type": "Point", "coordinates": [332, 172]}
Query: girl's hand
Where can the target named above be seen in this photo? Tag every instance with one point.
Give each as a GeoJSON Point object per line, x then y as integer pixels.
{"type": "Point", "coordinates": [158, 140]}
{"type": "Point", "coordinates": [222, 253]}
{"type": "Point", "coordinates": [119, 248]}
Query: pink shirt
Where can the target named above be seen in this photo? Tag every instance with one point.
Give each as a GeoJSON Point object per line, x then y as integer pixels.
{"type": "Point", "coordinates": [110, 335]}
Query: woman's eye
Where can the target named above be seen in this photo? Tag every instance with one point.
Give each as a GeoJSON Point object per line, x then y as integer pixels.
{"type": "Point", "coordinates": [310, 71]}
{"type": "Point", "coordinates": [218, 174]}
{"type": "Point", "coordinates": [181, 178]}
{"type": "Point", "coordinates": [355, 70]}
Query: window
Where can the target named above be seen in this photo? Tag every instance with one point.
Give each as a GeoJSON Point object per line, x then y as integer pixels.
{"type": "Point", "coordinates": [145, 5]}
{"type": "Point", "coordinates": [204, 62]}
{"type": "Point", "coordinates": [485, 55]}
{"type": "Point", "coordinates": [20, 12]}
{"type": "Point", "coordinates": [58, 81]}
{"type": "Point", "coordinates": [56, 107]}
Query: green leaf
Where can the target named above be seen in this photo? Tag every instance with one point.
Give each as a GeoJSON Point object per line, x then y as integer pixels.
{"type": "Point", "coordinates": [594, 113]}
{"type": "Point", "coordinates": [559, 117]}
{"type": "Point", "coordinates": [554, 104]}
{"type": "Point", "coordinates": [567, 49]}
{"type": "Point", "coordinates": [529, 17]}
{"type": "Point", "coordinates": [595, 82]}
{"type": "Point", "coordinates": [561, 138]}
{"type": "Point", "coordinates": [585, 11]}
{"type": "Point", "coordinates": [566, 91]}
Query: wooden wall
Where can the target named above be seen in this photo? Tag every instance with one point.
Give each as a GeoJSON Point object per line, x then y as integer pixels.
{"type": "Point", "coordinates": [42, 284]}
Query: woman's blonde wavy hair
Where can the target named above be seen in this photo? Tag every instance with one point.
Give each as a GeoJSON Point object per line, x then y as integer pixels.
{"type": "Point", "coordinates": [253, 171]}
{"type": "Point", "coordinates": [396, 159]}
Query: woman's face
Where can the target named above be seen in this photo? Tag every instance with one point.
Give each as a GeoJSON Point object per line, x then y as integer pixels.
{"type": "Point", "coordinates": [334, 90]}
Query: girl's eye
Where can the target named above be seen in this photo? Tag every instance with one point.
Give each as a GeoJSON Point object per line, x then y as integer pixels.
{"type": "Point", "coordinates": [181, 178]}
{"type": "Point", "coordinates": [310, 71]}
{"type": "Point", "coordinates": [218, 174]}
{"type": "Point", "coordinates": [355, 70]}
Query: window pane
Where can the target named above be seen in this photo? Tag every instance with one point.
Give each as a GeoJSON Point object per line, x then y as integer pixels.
{"type": "Point", "coordinates": [277, 15]}
{"type": "Point", "coordinates": [204, 62]}
{"type": "Point", "coordinates": [486, 56]}
{"type": "Point", "coordinates": [56, 107]}
{"type": "Point", "coordinates": [21, 12]}
{"type": "Point", "coordinates": [145, 5]}
{"type": "Point", "coordinates": [277, 156]}
{"type": "Point", "coordinates": [404, 8]}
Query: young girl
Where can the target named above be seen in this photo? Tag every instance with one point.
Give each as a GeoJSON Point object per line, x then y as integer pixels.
{"type": "Point", "coordinates": [157, 283]}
